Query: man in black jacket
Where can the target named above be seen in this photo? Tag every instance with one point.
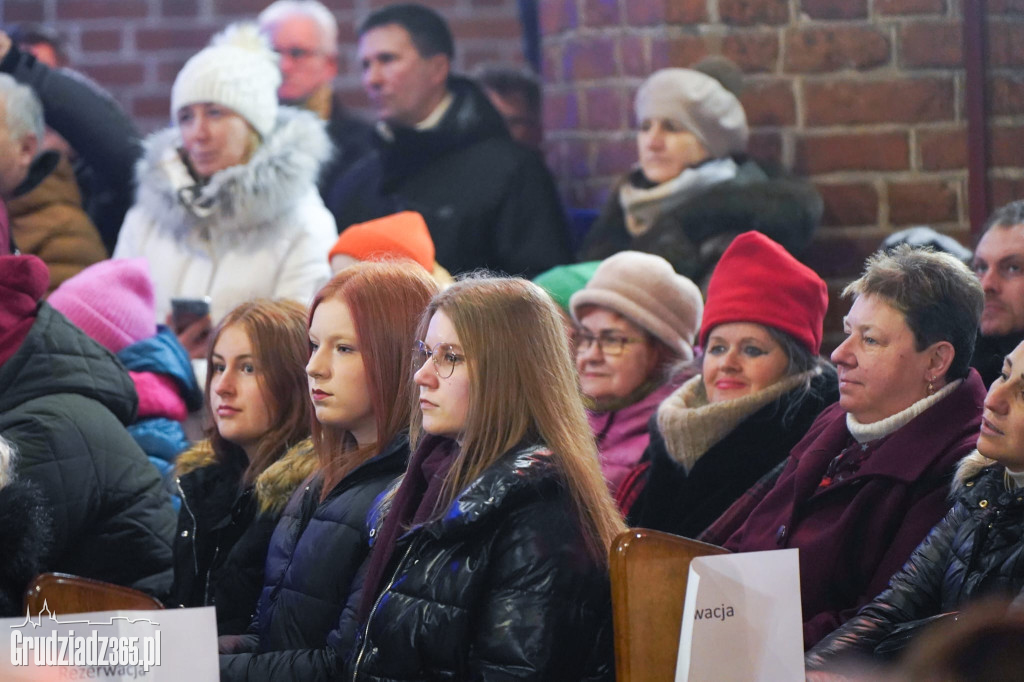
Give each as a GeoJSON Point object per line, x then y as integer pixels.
{"type": "Point", "coordinates": [443, 150]}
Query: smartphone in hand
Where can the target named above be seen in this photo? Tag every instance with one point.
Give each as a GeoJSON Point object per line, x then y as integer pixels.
{"type": "Point", "coordinates": [185, 311]}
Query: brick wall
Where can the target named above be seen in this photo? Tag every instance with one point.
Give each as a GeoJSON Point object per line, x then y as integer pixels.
{"type": "Point", "coordinates": [136, 47]}
{"type": "Point", "coordinates": [864, 97]}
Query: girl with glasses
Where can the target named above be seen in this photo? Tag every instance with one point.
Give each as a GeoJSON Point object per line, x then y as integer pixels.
{"type": "Point", "coordinates": [490, 558]}
{"type": "Point", "coordinates": [361, 327]}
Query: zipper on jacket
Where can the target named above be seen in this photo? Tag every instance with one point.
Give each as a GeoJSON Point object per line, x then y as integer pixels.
{"type": "Point", "coordinates": [369, 618]}
{"type": "Point", "coordinates": [195, 526]}
{"type": "Point", "coordinates": [206, 589]}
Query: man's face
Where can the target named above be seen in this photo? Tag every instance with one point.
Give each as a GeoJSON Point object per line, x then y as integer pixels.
{"type": "Point", "coordinates": [15, 155]}
{"type": "Point", "coordinates": [403, 87]}
{"type": "Point", "coordinates": [306, 63]}
{"type": "Point", "coordinates": [999, 264]}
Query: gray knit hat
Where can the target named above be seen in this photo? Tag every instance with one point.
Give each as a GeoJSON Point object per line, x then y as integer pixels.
{"type": "Point", "coordinates": [645, 289]}
{"type": "Point", "coordinates": [700, 104]}
{"type": "Point", "coordinates": [239, 71]}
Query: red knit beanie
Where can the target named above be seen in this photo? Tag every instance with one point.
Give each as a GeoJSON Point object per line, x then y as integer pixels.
{"type": "Point", "coordinates": [403, 235]}
{"type": "Point", "coordinates": [757, 280]}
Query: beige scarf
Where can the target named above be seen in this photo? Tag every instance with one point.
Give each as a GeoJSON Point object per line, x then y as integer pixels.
{"type": "Point", "coordinates": [691, 426]}
{"type": "Point", "coordinates": [642, 206]}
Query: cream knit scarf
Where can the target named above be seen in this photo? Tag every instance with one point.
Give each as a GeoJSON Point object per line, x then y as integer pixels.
{"type": "Point", "coordinates": [865, 433]}
{"type": "Point", "coordinates": [691, 426]}
{"type": "Point", "coordinates": [642, 206]}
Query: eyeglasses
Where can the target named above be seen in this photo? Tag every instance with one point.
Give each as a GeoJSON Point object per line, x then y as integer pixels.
{"type": "Point", "coordinates": [610, 344]}
{"type": "Point", "coordinates": [444, 355]}
{"type": "Point", "coordinates": [297, 53]}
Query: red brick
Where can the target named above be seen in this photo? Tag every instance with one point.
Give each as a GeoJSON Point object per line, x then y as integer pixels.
{"type": "Point", "coordinates": [849, 204]}
{"type": "Point", "coordinates": [835, 254]}
{"type": "Point", "coordinates": [499, 27]}
{"type": "Point", "coordinates": [179, 8]}
{"type": "Point", "coordinates": [108, 9]}
{"type": "Point", "coordinates": [831, 48]}
{"type": "Point", "coordinates": [601, 13]}
{"type": "Point", "coordinates": [577, 160]}
{"type": "Point", "coordinates": [147, 39]}
{"type": "Point", "coordinates": [561, 111]}
{"type": "Point", "coordinates": [589, 59]}
{"type": "Point", "coordinates": [101, 41]}
{"type": "Point", "coordinates": [1007, 94]}
{"type": "Point", "coordinates": [770, 104]}
{"type": "Point", "coordinates": [753, 12]}
{"type": "Point", "coordinates": [115, 74]}
{"type": "Point", "coordinates": [894, 101]}
{"type": "Point", "coordinates": [765, 146]}
{"type": "Point", "coordinates": [677, 51]}
{"type": "Point", "coordinates": [753, 51]}
{"type": "Point", "coordinates": [835, 9]}
{"type": "Point", "coordinates": [18, 11]}
{"type": "Point", "coordinates": [903, 7]}
{"type": "Point", "coordinates": [942, 149]}
{"type": "Point", "coordinates": [151, 107]}
{"type": "Point", "coordinates": [237, 7]}
{"type": "Point", "coordinates": [852, 151]}
{"type": "Point", "coordinates": [1006, 44]}
{"type": "Point", "coordinates": [1004, 190]}
{"type": "Point", "coordinates": [659, 12]}
{"type": "Point", "coordinates": [1005, 146]}
{"type": "Point", "coordinates": [615, 157]}
{"type": "Point", "coordinates": [1004, 6]}
{"type": "Point", "coordinates": [486, 3]}
{"type": "Point", "coordinates": [922, 203]}
{"type": "Point", "coordinates": [557, 16]}
{"type": "Point", "coordinates": [633, 52]}
{"type": "Point", "coordinates": [605, 109]}
{"type": "Point", "coordinates": [932, 44]}
{"type": "Point", "coordinates": [166, 71]}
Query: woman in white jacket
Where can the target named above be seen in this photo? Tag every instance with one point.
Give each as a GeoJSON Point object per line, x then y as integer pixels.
{"type": "Point", "coordinates": [227, 205]}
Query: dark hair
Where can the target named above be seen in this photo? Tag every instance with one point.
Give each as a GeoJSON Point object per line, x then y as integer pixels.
{"type": "Point", "coordinates": [938, 295]}
{"type": "Point", "coordinates": [508, 80]}
{"type": "Point", "coordinates": [1007, 215]}
{"type": "Point", "coordinates": [31, 33]}
{"type": "Point", "coordinates": [427, 29]}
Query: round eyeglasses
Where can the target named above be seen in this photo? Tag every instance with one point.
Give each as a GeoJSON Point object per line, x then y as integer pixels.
{"type": "Point", "coordinates": [610, 344]}
{"type": "Point", "coordinates": [444, 355]}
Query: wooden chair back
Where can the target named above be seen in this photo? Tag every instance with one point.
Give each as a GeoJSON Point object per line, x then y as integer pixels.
{"type": "Point", "coordinates": [649, 570]}
{"type": "Point", "coordinates": [63, 593]}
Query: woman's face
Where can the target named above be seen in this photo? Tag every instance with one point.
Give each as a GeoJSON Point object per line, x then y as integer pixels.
{"type": "Point", "coordinates": [881, 372]}
{"type": "Point", "coordinates": [444, 401]}
{"type": "Point", "coordinates": [1002, 424]}
{"type": "Point", "coordinates": [239, 404]}
{"type": "Point", "coordinates": [336, 374]}
{"type": "Point", "coordinates": [741, 358]}
{"type": "Point", "coordinates": [628, 357]}
{"type": "Point", "coordinates": [666, 149]}
{"type": "Point", "coordinates": [215, 137]}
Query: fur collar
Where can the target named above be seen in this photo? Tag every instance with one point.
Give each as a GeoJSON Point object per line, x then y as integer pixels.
{"type": "Point", "coordinates": [275, 485]}
{"type": "Point", "coordinates": [244, 202]}
{"type": "Point", "coordinates": [967, 468]}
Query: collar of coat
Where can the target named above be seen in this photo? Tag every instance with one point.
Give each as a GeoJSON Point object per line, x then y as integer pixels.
{"type": "Point", "coordinates": [241, 203]}
{"type": "Point", "coordinates": [277, 482]}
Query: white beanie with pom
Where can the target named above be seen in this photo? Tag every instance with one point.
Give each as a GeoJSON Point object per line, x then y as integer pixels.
{"type": "Point", "coordinates": [239, 71]}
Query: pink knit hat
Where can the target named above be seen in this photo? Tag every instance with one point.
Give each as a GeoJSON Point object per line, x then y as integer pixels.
{"type": "Point", "coordinates": [111, 301]}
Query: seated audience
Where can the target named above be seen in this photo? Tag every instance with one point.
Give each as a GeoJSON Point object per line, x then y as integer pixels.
{"type": "Point", "coordinates": [694, 188]}
{"type": "Point", "coordinates": [561, 282]}
{"type": "Point", "coordinates": [492, 560]}
{"type": "Point", "coordinates": [402, 235]}
{"type": "Point", "coordinates": [976, 551]}
{"type": "Point", "coordinates": [112, 302]}
{"type": "Point", "coordinates": [761, 386]}
{"type": "Point", "coordinates": [227, 201]}
{"type": "Point", "coordinates": [234, 485]}
{"type": "Point", "coordinates": [25, 533]}
{"type": "Point", "coordinates": [636, 322]}
{"type": "Point", "coordinates": [515, 93]}
{"type": "Point", "coordinates": [361, 327]}
{"type": "Point", "coordinates": [871, 477]}
{"type": "Point", "coordinates": [999, 264]}
{"type": "Point", "coordinates": [64, 405]}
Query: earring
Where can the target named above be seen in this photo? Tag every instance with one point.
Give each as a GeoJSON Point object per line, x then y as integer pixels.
{"type": "Point", "coordinates": [931, 388]}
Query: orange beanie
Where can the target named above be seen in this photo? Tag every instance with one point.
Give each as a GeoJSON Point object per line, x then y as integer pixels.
{"type": "Point", "coordinates": [401, 234]}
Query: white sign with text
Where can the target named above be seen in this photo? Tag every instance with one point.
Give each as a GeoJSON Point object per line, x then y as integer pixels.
{"type": "Point", "coordinates": [742, 620]}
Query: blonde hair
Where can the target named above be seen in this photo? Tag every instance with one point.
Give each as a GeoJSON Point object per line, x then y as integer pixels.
{"type": "Point", "coordinates": [523, 387]}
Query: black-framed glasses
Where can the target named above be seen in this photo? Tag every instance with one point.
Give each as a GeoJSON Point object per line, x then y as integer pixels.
{"type": "Point", "coordinates": [610, 344]}
{"type": "Point", "coordinates": [444, 355]}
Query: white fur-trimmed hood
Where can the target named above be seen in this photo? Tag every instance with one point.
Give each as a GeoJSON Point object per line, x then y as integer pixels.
{"type": "Point", "coordinates": [240, 203]}
{"type": "Point", "coordinates": [967, 468]}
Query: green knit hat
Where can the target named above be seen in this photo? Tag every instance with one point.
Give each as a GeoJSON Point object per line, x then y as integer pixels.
{"type": "Point", "coordinates": [562, 281]}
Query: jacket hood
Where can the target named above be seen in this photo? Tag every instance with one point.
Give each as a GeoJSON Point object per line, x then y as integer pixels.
{"type": "Point", "coordinates": [58, 358]}
{"type": "Point", "coordinates": [240, 202]}
{"type": "Point", "coordinates": [277, 482]}
{"type": "Point", "coordinates": [967, 468]}
{"type": "Point", "coordinates": [164, 354]}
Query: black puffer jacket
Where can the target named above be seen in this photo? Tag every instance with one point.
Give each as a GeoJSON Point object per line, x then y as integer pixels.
{"type": "Point", "coordinates": [223, 530]}
{"type": "Point", "coordinates": [501, 587]}
{"type": "Point", "coordinates": [976, 551]}
{"type": "Point", "coordinates": [64, 401]}
{"type": "Point", "coordinates": [311, 568]}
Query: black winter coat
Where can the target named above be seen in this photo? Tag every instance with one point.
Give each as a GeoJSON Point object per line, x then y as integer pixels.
{"type": "Point", "coordinates": [64, 404]}
{"type": "Point", "coordinates": [501, 587]}
{"type": "Point", "coordinates": [682, 503]}
{"type": "Point", "coordinates": [976, 551]}
{"type": "Point", "coordinates": [314, 556]}
{"type": "Point", "coordinates": [489, 202]}
{"type": "Point", "coordinates": [25, 535]}
{"type": "Point", "coordinates": [224, 530]}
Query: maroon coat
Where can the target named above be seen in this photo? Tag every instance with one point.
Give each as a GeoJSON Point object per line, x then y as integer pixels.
{"type": "Point", "coordinates": [854, 534]}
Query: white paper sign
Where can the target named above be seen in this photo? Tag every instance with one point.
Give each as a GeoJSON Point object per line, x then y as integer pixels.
{"type": "Point", "coordinates": [156, 646]}
{"type": "Point", "coordinates": [742, 620]}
